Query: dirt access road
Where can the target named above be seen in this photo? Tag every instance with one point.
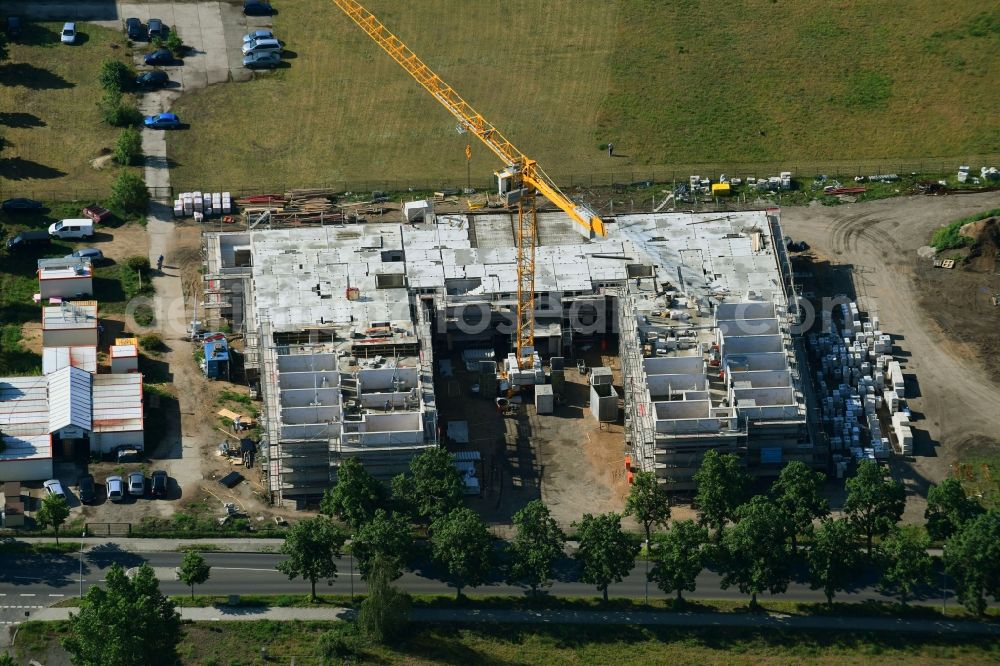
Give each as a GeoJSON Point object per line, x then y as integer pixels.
{"type": "Point", "coordinates": [956, 406]}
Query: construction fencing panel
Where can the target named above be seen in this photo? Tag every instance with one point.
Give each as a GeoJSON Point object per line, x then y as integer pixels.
{"type": "Point", "coordinates": [108, 529]}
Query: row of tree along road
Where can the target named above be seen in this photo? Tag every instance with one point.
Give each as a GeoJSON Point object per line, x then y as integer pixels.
{"type": "Point", "coordinates": [753, 541]}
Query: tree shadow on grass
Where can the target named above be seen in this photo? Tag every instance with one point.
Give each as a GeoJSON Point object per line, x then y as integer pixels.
{"type": "Point", "coordinates": [36, 34]}
{"type": "Point", "coordinates": [21, 120]}
{"type": "Point", "coordinates": [29, 76]}
{"type": "Point", "coordinates": [18, 168]}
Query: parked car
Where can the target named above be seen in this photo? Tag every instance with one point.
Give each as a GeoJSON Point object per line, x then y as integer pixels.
{"type": "Point", "coordinates": [156, 29]}
{"type": "Point", "coordinates": [53, 487]}
{"type": "Point", "coordinates": [261, 45]}
{"type": "Point", "coordinates": [28, 238]}
{"type": "Point", "coordinates": [154, 79]}
{"type": "Point", "coordinates": [91, 253]}
{"type": "Point", "coordinates": [158, 483]}
{"type": "Point", "coordinates": [134, 29]}
{"type": "Point", "coordinates": [68, 35]}
{"type": "Point", "coordinates": [257, 34]}
{"type": "Point", "coordinates": [257, 8]}
{"type": "Point", "coordinates": [21, 205]}
{"type": "Point", "coordinates": [262, 60]}
{"type": "Point", "coordinates": [72, 228]}
{"type": "Point", "coordinates": [116, 488]}
{"type": "Point", "coordinates": [159, 57]}
{"type": "Point", "coordinates": [88, 490]}
{"type": "Point", "coordinates": [162, 121]}
{"type": "Point", "coordinates": [13, 27]}
{"type": "Point", "coordinates": [136, 484]}
{"type": "Point", "coordinates": [97, 213]}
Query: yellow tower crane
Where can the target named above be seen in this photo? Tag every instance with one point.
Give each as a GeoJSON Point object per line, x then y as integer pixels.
{"type": "Point", "coordinates": [519, 182]}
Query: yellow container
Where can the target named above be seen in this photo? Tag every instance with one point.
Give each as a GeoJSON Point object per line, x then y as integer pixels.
{"type": "Point", "coordinates": [721, 189]}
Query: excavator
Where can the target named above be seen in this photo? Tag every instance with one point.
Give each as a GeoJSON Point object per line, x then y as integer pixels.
{"type": "Point", "coordinates": [518, 183]}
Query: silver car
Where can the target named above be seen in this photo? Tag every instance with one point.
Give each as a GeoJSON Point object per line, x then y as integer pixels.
{"type": "Point", "coordinates": [136, 484]}
{"type": "Point", "coordinates": [53, 487]}
{"type": "Point", "coordinates": [116, 488]}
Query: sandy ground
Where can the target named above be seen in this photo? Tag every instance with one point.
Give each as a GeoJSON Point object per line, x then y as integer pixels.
{"type": "Point", "coordinates": [950, 393]}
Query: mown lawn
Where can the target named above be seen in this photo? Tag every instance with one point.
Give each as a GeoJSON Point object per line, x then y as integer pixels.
{"type": "Point", "coordinates": [239, 643]}
{"type": "Point", "coordinates": [48, 112]}
{"type": "Point", "coordinates": [669, 83]}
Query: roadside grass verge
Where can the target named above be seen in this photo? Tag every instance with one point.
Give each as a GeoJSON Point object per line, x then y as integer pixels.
{"type": "Point", "coordinates": [949, 237]}
{"type": "Point", "coordinates": [494, 645]}
{"type": "Point", "coordinates": [50, 118]}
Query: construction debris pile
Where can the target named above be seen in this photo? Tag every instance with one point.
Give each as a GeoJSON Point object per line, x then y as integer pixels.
{"type": "Point", "coordinates": [859, 384]}
{"type": "Point", "coordinates": [303, 206]}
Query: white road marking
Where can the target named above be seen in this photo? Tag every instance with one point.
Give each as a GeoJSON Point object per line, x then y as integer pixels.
{"type": "Point", "coordinates": [242, 569]}
{"type": "Point", "coordinates": [57, 595]}
{"type": "Point", "coordinates": [28, 594]}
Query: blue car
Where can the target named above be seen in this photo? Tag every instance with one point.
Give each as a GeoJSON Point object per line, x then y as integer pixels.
{"type": "Point", "coordinates": [159, 57]}
{"type": "Point", "coordinates": [162, 121]}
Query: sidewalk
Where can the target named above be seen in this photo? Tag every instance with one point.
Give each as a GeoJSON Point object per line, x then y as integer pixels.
{"type": "Point", "coordinates": [139, 545]}
{"type": "Point", "coordinates": [664, 619]}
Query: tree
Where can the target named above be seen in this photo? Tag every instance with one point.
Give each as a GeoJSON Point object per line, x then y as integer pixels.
{"type": "Point", "coordinates": [678, 557]}
{"type": "Point", "coordinates": [194, 570]}
{"type": "Point", "coordinates": [722, 486]}
{"type": "Point", "coordinates": [797, 496]}
{"type": "Point", "coordinates": [756, 557]}
{"type": "Point", "coordinates": [833, 558]}
{"type": "Point", "coordinates": [128, 146]}
{"type": "Point", "coordinates": [905, 562]}
{"type": "Point", "coordinates": [949, 508]}
{"type": "Point", "coordinates": [175, 44]}
{"type": "Point", "coordinates": [115, 76]}
{"type": "Point", "coordinates": [536, 546]}
{"type": "Point", "coordinates": [356, 495]}
{"type": "Point", "coordinates": [434, 486]}
{"type": "Point", "coordinates": [312, 546]}
{"type": "Point", "coordinates": [125, 622]}
{"type": "Point", "coordinates": [605, 554]}
{"type": "Point", "coordinates": [7, 660]}
{"type": "Point", "coordinates": [53, 513]}
{"type": "Point", "coordinates": [384, 612]}
{"type": "Point", "coordinates": [386, 537]}
{"type": "Point", "coordinates": [461, 542]}
{"type": "Point", "coordinates": [874, 504]}
{"type": "Point", "coordinates": [972, 558]}
{"type": "Point", "coordinates": [648, 502]}
{"type": "Point", "coordinates": [129, 193]}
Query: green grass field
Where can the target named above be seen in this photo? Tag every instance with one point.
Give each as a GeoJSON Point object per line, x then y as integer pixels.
{"type": "Point", "coordinates": [48, 113]}
{"type": "Point", "coordinates": [678, 83]}
{"type": "Point", "coordinates": [239, 643]}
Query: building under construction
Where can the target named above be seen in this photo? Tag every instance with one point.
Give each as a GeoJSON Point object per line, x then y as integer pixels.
{"type": "Point", "coordinates": [340, 324]}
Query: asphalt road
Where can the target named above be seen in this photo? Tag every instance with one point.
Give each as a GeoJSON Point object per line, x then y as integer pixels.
{"type": "Point", "coordinates": [29, 581]}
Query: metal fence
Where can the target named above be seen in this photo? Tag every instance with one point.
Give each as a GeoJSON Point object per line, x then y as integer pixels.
{"type": "Point", "coordinates": [108, 529]}
{"type": "Point", "coordinates": [631, 175]}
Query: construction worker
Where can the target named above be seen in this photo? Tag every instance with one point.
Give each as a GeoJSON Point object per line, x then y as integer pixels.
{"type": "Point", "coordinates": [611, 150]}
{"type": "Point", "coordinates": [159, 263]}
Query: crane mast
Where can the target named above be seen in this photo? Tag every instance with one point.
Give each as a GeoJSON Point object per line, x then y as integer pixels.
{"type": "Point", "coordinates": [524, 175]}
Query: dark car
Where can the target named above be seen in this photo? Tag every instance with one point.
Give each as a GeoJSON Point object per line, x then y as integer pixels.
{"type": "Point", "coordinates": [156, 29]}
{"type": "Point", "coordinates": [158, 487]}
{"type": "Point", "coordinates": [155, 79]}
{"type": "Point", "coordinates": [257, 8]}
{"type": "Point", "coordinates": [88, 489]}
{"type": "Point", "coordinates": [28, 238]}
{"type": "Point", "coordinates": [13, 27]}
{"type": "Point", "coordinates": [262, 60]}
{"type": "Point", "coordinates": [159, 57]}
{"type": "Point", "coordinates": [134, 29]}
{"type": "Point", "coordinates": [21, 205]}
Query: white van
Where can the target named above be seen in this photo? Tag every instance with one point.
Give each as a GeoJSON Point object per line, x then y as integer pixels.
{"type": "Point", "coordinates": [261, 46]}
{"type": "Point", "coordinates": [82, 228]}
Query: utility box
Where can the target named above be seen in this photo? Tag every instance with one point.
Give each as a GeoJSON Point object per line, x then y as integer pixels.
{"type": "Point", "coordinates": [544, 399]}
{"type": "Point", "coordinates": [721, 190]}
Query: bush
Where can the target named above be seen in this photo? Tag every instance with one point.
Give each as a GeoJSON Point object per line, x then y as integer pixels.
{"type": "Point", "coordinates": [129, 193]}
{"type": "Point", "coordinates": [337, 644]}
{"type": "Point", "coordinates": [115, 111]}
{"type": "Point", "coordinates": [115, 76]}
{"type": "Point", "coordinates": [175, 44]}
{"type": "Point", "coordinates": [151, 342]}
{"type": "Point", "coordinates": [137, 263]}
{"type": "Point", "coordinates": [144, 316]}
{"type": "Point", "coordinates": [128, 148]}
